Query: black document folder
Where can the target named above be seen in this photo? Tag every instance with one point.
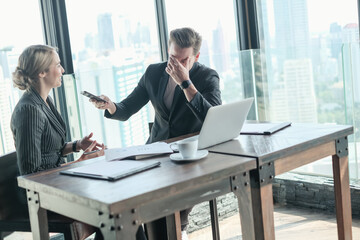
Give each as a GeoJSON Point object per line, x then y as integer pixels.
{"type": "Point", "coordinates": [111, 170]}
{"type": "Point", "coordinates": [263, 128]}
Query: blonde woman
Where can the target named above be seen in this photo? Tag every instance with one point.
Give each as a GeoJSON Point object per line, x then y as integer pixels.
{"type": "Point", "coordinates": [38, 129]}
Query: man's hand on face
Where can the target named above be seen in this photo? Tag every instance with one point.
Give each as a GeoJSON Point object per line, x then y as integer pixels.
{"type": "Point", "coordinates": [178, 71]}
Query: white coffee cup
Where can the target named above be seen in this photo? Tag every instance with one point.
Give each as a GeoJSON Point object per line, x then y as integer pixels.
{"type": "Point", "coordinates": [187, 147]}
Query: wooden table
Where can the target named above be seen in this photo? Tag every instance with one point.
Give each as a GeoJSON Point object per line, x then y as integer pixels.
{"type": "Point", "coordinates": [290, 148]}
{"type": "Point", "coordinates": [119, 207]}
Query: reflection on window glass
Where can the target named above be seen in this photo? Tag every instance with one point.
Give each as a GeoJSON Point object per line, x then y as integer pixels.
{"type": "Point", "coordinates": [219, 51]}
{"type": "Point", "coordinates": [112, 43]}
{"type": "Point", "coordinates": [16, 35]}
{"type": "Point", "coordinates": [303, 42]}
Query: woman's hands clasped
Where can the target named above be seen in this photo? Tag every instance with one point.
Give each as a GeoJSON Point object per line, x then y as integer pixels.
{"type": "Point", "coordinates": [93, 147]}
{"type": "Point", "coordinates": [93, 150]}
{"type": "Point", "coordinates": [86, 141]}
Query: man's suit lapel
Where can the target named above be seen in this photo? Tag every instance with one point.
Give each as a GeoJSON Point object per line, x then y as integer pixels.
{"type": "Point", "coordinates": [52, 114]}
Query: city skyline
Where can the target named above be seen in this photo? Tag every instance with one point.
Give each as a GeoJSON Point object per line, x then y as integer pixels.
{"type": "Point", "coordinates": [303, 75]}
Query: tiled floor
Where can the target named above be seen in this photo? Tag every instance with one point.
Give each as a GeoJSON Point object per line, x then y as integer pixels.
{"type": "Point", "coordinates": [291, 223]}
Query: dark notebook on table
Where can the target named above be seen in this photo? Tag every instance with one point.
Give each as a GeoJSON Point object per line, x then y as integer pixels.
{"type": "Point", "coordinates": [263, 128]}
{"type": "Point", "coordinates": [111, 170]}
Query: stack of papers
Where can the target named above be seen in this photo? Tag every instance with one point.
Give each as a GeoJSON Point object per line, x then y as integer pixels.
{"type": "Point", "coordinates": [137, 152]}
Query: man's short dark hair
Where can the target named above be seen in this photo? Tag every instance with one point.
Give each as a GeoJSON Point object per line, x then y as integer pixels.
{"type": "Point", "coordinates": [185, 38]}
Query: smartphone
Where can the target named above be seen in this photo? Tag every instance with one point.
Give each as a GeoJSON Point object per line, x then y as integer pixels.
{"type": "Point", "coordinates": [92, 96]}
{"type": "Point", "coordinates": [94, 151]}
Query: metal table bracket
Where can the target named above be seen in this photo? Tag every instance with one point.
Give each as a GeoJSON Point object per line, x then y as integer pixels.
{"type": "Point", "coordinates": [342, 147]}
{"type": "Point", "coordinates": [241, 180]}
{"type": "Point", "coordinates": [113, 224]}
{"type": "Point", "coordinates": [265, 174]}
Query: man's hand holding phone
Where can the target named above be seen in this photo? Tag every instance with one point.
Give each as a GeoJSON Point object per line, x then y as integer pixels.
{"type": "Point", "coordinates": [92, 96]}
{"type": "Point", "coordinates": [101, 102]}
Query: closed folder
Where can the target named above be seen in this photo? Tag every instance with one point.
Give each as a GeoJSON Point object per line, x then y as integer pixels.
{"type": "Point", "coordinates": [263, 128]}
{"type": "Point", "coordinates": [111, 170]}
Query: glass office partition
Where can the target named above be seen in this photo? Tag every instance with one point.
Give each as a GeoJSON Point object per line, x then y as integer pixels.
{"type": "Point", "coordinates": [351, 87]}
{"type": "Point", "coordinates": [73, 110]}
{"type": "Point", "coordinates": [336, 98]}
{"type": "Point", "coordinates": [252, 69]}
{"type": "Point", "coordinates": [304, 62]}
{"type": "Point", "coordinates": [112, 43]}
{"type": "Point", "coordinates": [19, 27]}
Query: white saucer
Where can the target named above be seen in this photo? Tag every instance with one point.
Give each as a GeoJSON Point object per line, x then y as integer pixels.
{"type": "Point", "coordinates": [199, 155]}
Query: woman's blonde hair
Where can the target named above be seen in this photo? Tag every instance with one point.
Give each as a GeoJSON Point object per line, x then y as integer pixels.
{"type": "Point", "coordinates": [33, 60]}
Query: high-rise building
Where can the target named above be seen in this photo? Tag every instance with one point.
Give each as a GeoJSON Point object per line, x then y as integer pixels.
{"type": "Point", "coordinates": [205, 53]}
{"type": "Point", "coordinates": [122, 32]}
{"type": "Point", "coordinates": [105, 32]}
{"type": "Point", "coordinates": [9, 96]}
{"type": "Point", "coordinates": [6, 103]}
{"type": "Point", "coordinates": [95, 75]}
{"type": "Point", "coordinates": [4, 63]}
{"type": "Point", "coordinates": [135, 130]}
{"type": "Point", "coordinates": [219, 56]}
{"type": "Point", "coordinates": [141, 36]}
{"type": "Point", "coordinates": [116, 77]}
{"type": "Point", "coordinates": [335, 40]}
{"type": "Point", "coordinates": [294, 98]}
{"type": "Point", "coordinates": [350, 38]}
{"type": "Point", "coordinates": [267, 47]}
{"type": "Point", "coordinates": [291, 30]}
{"type": "Point", "coordinates": [350, 33]}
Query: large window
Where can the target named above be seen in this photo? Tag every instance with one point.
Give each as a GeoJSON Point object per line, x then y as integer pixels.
{"type": "Point", "coordinates": [215, 21]}
{"type": "Point", "coordinates": [299, 74]}
{"type": "Point", "coordinates": [19, 27]}
{"type": "Point", "coordinates": [112, 43]}
{"type": "Point", "coordinates": [303, 43]}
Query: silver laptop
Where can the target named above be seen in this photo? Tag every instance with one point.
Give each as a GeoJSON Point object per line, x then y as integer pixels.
{"type": "Point", "coordinates": [223, 123]}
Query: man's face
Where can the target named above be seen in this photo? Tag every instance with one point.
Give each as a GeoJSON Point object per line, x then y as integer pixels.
{"type": "Point", "coordinates": [183, 55]}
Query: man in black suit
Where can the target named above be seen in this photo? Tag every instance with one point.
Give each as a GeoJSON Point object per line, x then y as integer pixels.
{"type": "Point", "coordinates": [181, 91]}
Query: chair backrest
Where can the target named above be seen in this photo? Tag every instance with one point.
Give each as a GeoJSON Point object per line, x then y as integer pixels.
{"type": "Point", "coordinates": [9, 190]}
{"type": "Point", "coordinates": [14, 214]}
{"type": "Point", "coordinates": [8, 166]}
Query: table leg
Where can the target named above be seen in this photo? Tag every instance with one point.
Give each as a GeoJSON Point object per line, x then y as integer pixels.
{"type": "Point", "coordinates": [241, 188]}
{"type": "Point", "coordinates": [156, 230]}
{"type": "Point", "coordinates": [173, 226]}
{"type": "Point", "coordinates": [38, 217]}
{"type": "Point", "coordinates": [263, 208]}
{"type": "Point", "coordinates": [214, 219]}
{"type": "Point", "coordinates": [165, 228]}
{"type": "Point", "coordinates": [342, 197]}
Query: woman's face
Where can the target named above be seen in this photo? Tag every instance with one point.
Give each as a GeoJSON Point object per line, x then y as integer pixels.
{"type": "Point", "coordinates": [52, 77]}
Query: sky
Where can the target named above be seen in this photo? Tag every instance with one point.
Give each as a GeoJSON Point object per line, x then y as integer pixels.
{"type": "Point", "coordinates": [20, 23]}
{"type": "Point", "coordinates": [323, 12]}
{"type": "Point", "coordinates": [25, 27]}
